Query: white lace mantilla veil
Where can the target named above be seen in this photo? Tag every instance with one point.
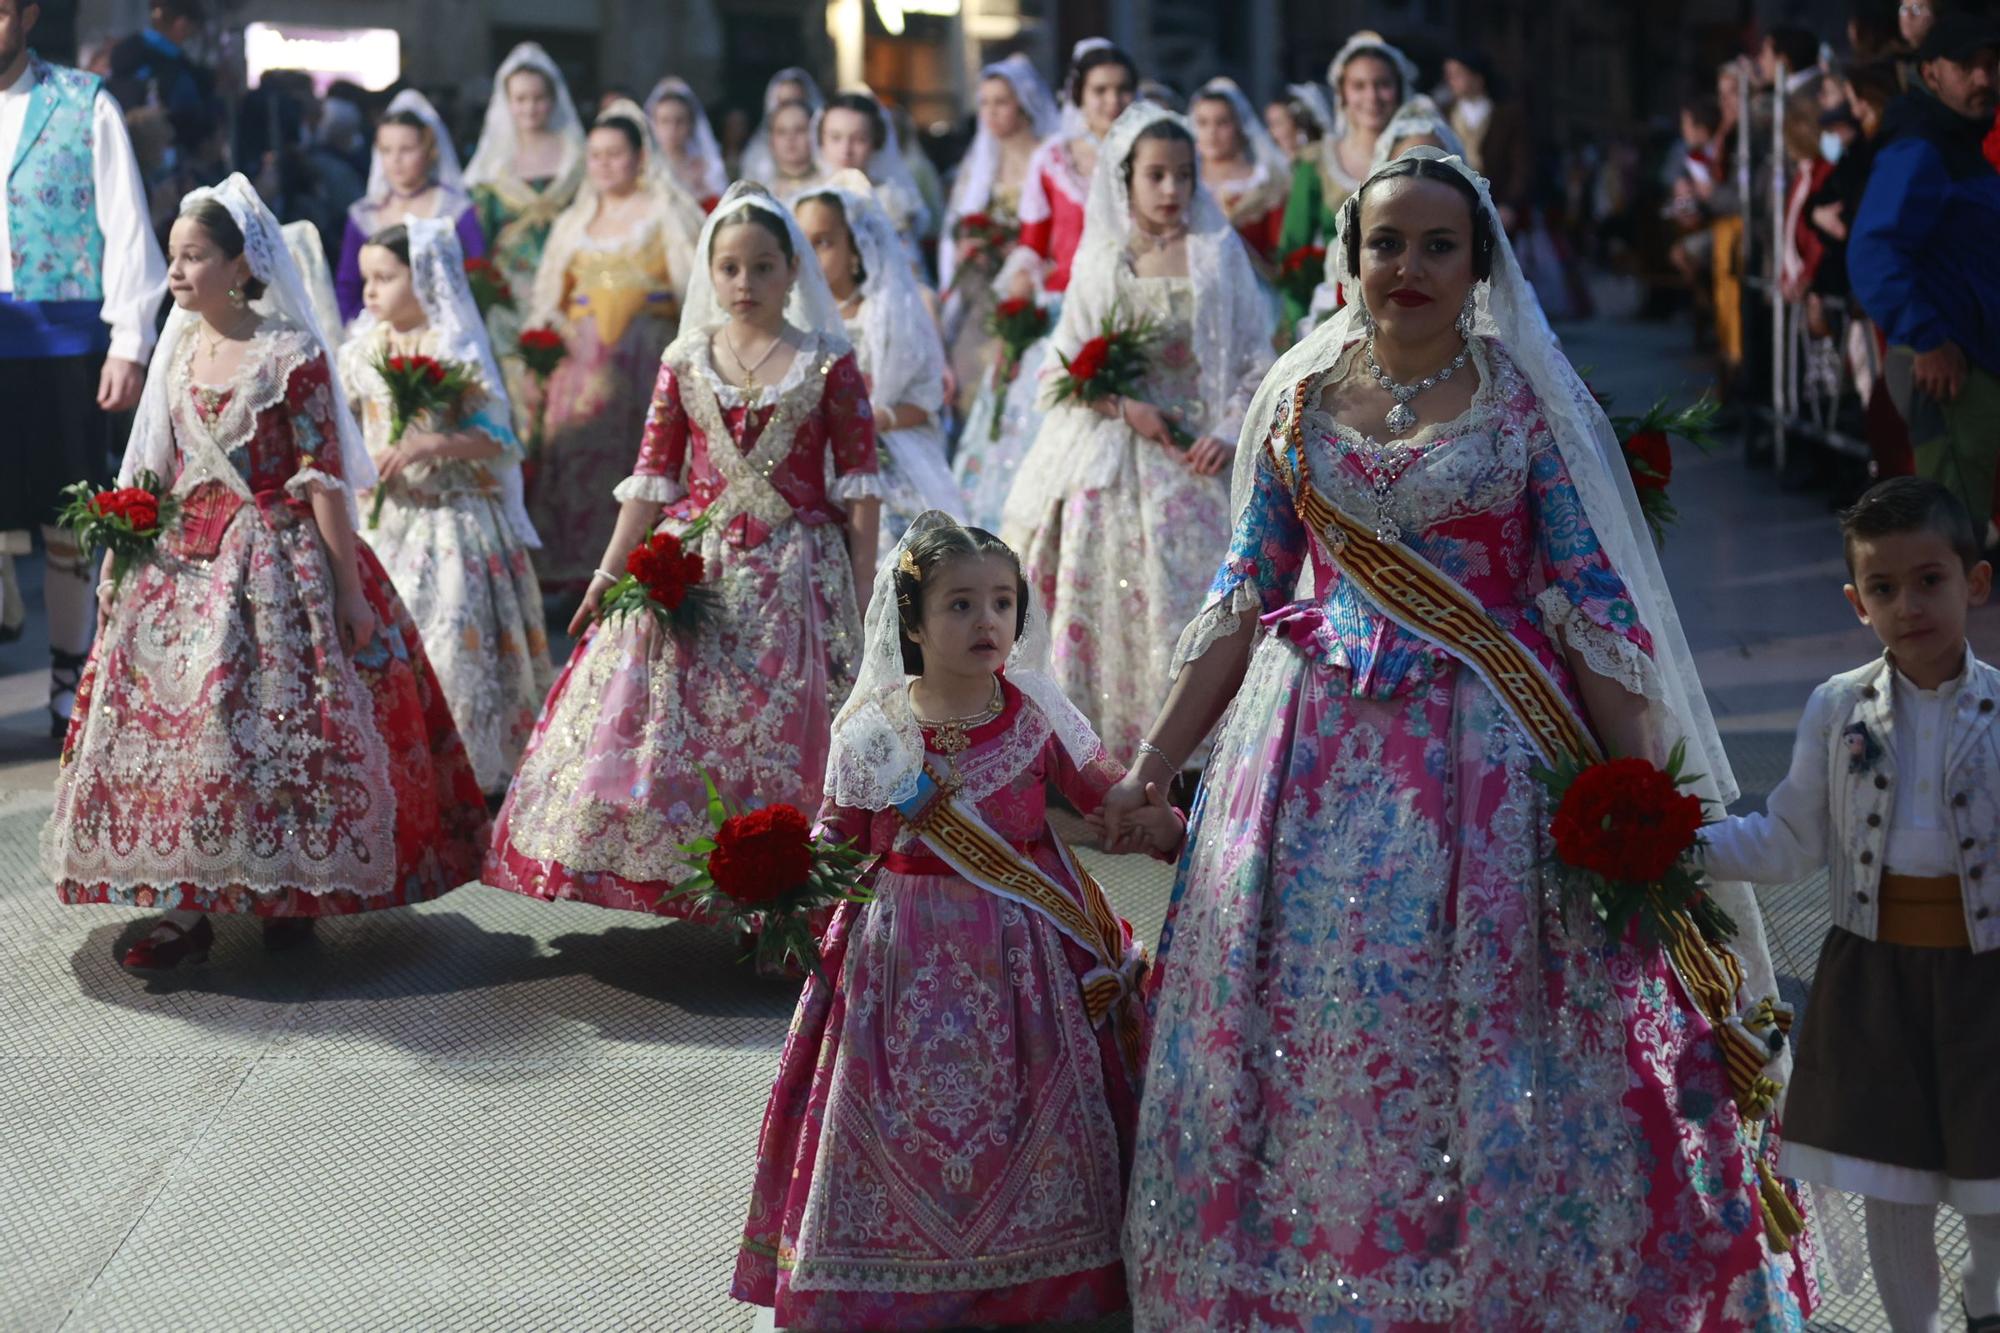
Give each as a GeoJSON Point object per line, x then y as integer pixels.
{"type": "Point", "coordinates": [1258, 145]}
{"type": "Point", "coordinates": [1418, 115]}
{"type": "Point", "coordinates": [809, 307]}
{"type": "Point", "coordinates": [895, 188]}
{"type": "Point", "coordinates": [679, 213]}
{"type": "Point", "coordinates": [904, 357]}
{"type": "Point", "coordinates": [878, 747]}
{"type": "Point", "coordinates": [302, 238]}
{"type": "Point", "coordinates": [499, 142]}
{"type": "Point", "coordinates": [1509, 314]}
{"type": "Point", "coordinates": [757, 164]}
{"type": "Point", "coordinates": [151, 444]}
{"type": "Point", "coordinates": [972, 191]}
{"type": "Point", "coordinates": [1314, 95]}
{"type": "Point", "coordinates": [437, 273]}
{"type": "Point", "coordinates": [714, 171]}
{"type": "Point", "coordinates": [1233, 322]}
{"type": "Point", "coordinates": [445, 172]}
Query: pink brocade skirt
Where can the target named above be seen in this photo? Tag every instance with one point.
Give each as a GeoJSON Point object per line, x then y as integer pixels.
{"type": "Point", "coordinates": [946, 1141]}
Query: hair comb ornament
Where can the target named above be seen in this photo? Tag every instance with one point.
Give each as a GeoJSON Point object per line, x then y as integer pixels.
{"type": "Point", "coordinates": [908, 564]}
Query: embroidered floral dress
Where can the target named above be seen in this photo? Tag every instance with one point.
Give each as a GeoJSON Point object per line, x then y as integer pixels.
{"type": "Point", "coordinates": [460, 570]}
{"type": "Point", "coordinates": [945, 1144]}
{"type": "Point", "coordinates": [227, 753]}
{"type": "Point", "coordinates": [611, 785]}
{"type": "Point", "coordinates": [1120, 558]}
{"type": "Point", "coordinates": [1389, 1086]}
{"type": "Point", "coordinates": [621, 308]}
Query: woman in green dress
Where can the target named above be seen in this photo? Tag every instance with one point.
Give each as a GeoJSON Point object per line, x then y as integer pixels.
{"type": "Point", "coordinates": [526, 172]}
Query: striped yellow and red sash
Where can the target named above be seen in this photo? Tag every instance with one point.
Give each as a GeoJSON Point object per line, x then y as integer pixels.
{"type": "Point", "coordinates": [955, 833]}
{"type": "Point", "coordinates": [1421, 598]}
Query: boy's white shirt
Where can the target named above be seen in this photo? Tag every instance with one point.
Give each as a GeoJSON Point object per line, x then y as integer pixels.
{"type": "Point", "coordinates": [1834, 812]}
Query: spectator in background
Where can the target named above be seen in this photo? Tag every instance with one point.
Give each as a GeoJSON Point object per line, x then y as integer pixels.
{"type": "Point", "coordinates": [1923, 262]}
{"type": "Point", "coordinates": [153, 67]}
{"type": "Point", "coordinates": [332, 152]}
{"type": "Point", "coordinates": [1494, 132]}
{"type": "Point", "coordinates": [1873, 30]}
{"type": "Point", "coordinates": [1695, 177]}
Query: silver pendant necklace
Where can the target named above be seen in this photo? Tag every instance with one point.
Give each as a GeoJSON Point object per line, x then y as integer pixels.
{"type": "Point", "coordinates": [1402, 418]}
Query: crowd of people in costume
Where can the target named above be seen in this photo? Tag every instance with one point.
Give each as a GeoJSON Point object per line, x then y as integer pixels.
{"type": "Point", "coordinates": [1302, 587]}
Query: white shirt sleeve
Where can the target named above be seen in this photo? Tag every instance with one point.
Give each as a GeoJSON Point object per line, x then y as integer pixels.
{"type": "Point", "coordinates": [1789, 842]}
{"type": "Point", "coordinates": [135, 273]}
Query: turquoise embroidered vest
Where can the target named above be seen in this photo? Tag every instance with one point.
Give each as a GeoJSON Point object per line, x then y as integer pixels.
{"type": "Point", "coordinates": [52, 229]}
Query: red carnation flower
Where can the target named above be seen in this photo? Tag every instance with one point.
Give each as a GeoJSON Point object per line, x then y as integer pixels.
{"type": "Point", "coordinates": [1651, 458]}
{"type": "Point", "coordinates": [143, 512]}
{"type": "Point", "coordinates": [762, 855]}
{"type": "Point", "coordinates": [541, 340]}
{"type": "Point", "coordinates": [1089, 359]}
{"type": "Point", "coordinates": [435, 372]}
{"type": "Point", "coordinates": [1626, 820]}
{"type": "Point", "coordinates": [396, 363]}
{"type": "Point", "coordinates": [1013, 306]}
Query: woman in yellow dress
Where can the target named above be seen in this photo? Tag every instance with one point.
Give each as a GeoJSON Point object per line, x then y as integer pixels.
{"type": "Point", "coordinates": [610, 280]}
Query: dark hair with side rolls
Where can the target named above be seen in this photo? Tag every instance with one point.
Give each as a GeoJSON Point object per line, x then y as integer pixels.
{"type": "Point", "coordinates": [1905, 505]}
{"type": "Point", "coordinates": [623, 124]}
{"type": "Point", "coordinates": [931, 552]}
{"type": "Point", "coordinates": [832, 200]}
{"type": "Point", "coordinates": [860, 104]}
{"type": "Point", "coordinates": [1162, 131]}
{"type": "Point", "coordinates": [214, 219]}
{"type": "Point", "coordinates": [755, 217]}
{"type": "Point", "coordinates": [396, 240]}
{"type": "Point", "coordinates": [1429, 169]}
{"type": "Point", "coordinates": [1092, 59]}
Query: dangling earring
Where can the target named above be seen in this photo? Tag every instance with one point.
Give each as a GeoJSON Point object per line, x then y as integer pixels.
{"type": "Point", "coordinates": [236, 298]}
{"type": "Point", "coordinates": [1367, 317]}
{"type": "Point", "coordinates": [1467, 311]}
{"type": "Point", "coordinates": [854, 271]}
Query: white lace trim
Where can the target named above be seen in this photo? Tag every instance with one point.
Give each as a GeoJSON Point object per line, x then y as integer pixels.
{"type": "Point", "coordinates": [653, 489]}
{"type": "Point", "coordinates": [1221, 618]}
{"type": "Point", "coordinates": [1609, 654]}
{"type": "Point", "coordinates": [857, 486]}
{"type": "Point", "coordinates": [302, 482]}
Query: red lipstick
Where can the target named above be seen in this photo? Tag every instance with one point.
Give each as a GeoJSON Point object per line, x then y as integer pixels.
{"type": "Point", "coordinates": [1404, 296]}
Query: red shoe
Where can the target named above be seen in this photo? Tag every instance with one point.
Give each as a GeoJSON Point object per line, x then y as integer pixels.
{"type": "Point", "coordinates": [185, 945]}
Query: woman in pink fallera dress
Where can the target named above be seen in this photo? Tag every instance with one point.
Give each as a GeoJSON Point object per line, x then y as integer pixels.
{"type": "Point", "coordinates": [760, 425]}
{"type": "Point", "coordinates": [948, 1137]}
{"type": "Point", "coordinates": [1392, 1086]}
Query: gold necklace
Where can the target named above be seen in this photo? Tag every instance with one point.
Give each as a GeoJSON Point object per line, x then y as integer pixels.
{"type": "Point", "coordinates": [750, 371]}
{"type": "Point", "coordinates": [214, 344]}
{"type": "Point", "coordinates": [948, 736]}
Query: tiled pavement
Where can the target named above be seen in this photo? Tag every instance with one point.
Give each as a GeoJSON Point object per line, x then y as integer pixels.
{"type": "Point", "coordinates": [489, 1113]}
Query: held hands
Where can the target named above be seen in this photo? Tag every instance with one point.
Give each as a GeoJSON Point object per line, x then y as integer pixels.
{"type": "Point", "coordinates": [1149, 826]}
{"type": "Point", "coordinates": [1147, 422]}
{"type": "Point", "coordinates": [415, 447]}
{"type": "Point", "coordinates": [107, 588]}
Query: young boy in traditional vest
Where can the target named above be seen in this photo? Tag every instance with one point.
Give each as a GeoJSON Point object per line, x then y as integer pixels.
{"type": "Point", "coordinates": [81, 280]}
{"type": "Point", "coordinates": [1894, 790]}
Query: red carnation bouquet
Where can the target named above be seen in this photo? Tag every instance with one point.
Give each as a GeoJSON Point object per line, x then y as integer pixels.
{"type": "Point", "coordinates": [126, 522]}
{"type": "Point", "coordinates": [990, 240]}
{"type": "Point", "coordinates": [490, 288]}
{"type": "Point", "coordinates": [1300, 273]}
{"type": "Point", "coordinates": [1113, 363]}
{"type": "Point", "coordinates": [1647, 442]}
{"type": "Point", "coordinates": [763, 872]}
{"type": "Point", "coordinates": [1625, 831]}
{"type": "Point", "coordinates": [663, 578]}
{"type": "Point", "coordinates": [541, 351]}
{"type": "Point", "coordinates": [418, 386]}
{"type": "Point", "coordinates": [1018, 322]}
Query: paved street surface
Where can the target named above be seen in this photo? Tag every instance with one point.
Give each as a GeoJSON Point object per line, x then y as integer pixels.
{"type": "Point", "coordinates": [487, 1113]}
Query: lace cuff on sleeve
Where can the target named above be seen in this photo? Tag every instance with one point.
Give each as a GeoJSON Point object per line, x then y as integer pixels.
{"type": "Point", "coordinates": [857, 486]}
{"type": "Point", "coordinates": [1607, 652]}
{"type": "Point", "coordinates": [302, 482]}
{"type": "Point", "coordinates": [1221, 618]}
{"type": "Point", "coordinates": [653, 489]}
